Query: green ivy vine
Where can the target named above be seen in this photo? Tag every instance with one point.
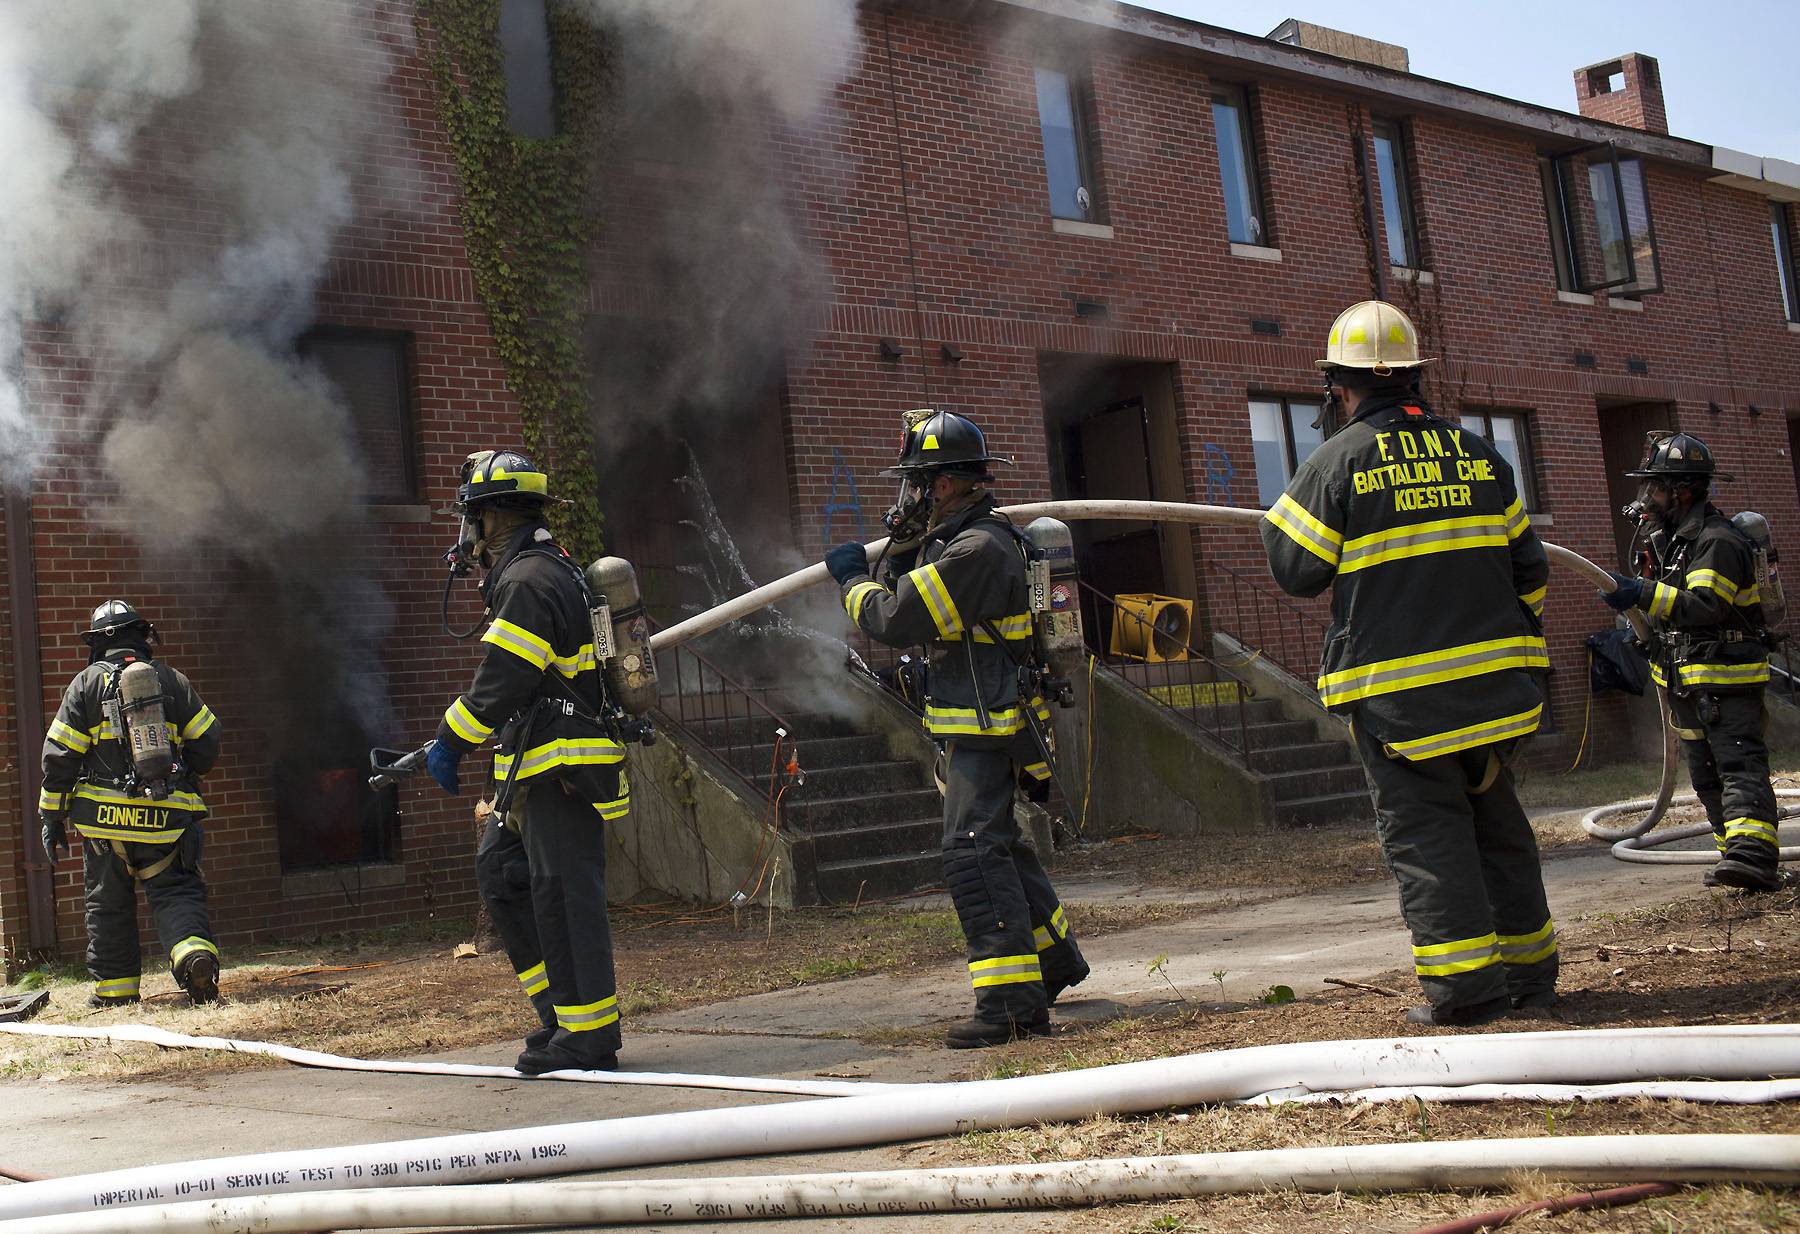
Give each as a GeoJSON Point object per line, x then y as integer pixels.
{"type": "Point", "coordinates": [528, 218]}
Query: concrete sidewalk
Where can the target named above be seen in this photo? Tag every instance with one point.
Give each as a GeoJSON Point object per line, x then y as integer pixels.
{"type": "Point", "coordinates": [73, 1127]}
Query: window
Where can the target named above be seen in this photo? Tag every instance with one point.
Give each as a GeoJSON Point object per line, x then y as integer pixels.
{"type": "Point", "coordinates": [369, 369]}
{"type": "Point", "coordinates": [525, 51]}
{"type": "Point", "coordinates": [1238, 167]}
{"type": "Point", "coordinates": [1781, 227]}
{"type": "Point", "coordinates": [1391, 174]}
{"type": "Point", "coordinates": [1508, 432]}
{"type": "Point", "coordinates": [1065, 116]}
{"type": "Point", "coordinates": [1283, 434]}
{"type": "Point", "coordinates": [1600, 229]}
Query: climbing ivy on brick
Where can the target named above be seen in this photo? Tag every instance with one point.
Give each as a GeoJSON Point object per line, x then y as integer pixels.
{"type": "Point", "coordinates": [528, 217]}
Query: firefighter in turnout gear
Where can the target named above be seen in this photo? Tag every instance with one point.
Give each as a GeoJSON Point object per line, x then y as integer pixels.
{"type": "Point", "coordinates": [955, 581]}
{"type": "Point", "coordinates": [122, 762]}
{"type": "Point", "coordinates": [1436, 637]}
{"type": "Point", "coordinates": [559, 769]}
{"type": "Point", "coordinates": [1705, 604]}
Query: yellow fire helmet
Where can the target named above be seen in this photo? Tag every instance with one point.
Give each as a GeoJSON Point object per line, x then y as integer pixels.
{"type": "Point", "coordinates": [1373, 335]}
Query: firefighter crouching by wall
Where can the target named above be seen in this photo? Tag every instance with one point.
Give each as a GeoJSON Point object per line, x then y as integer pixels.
{"type": "Point", "coordinates": [1438, 586]}
{"type": "Point", "coordinates": [122, 762]}
{"type": "Point", "coordinates": [559, 770]}
{"type": "Point", "coordinates": [1706, 606]}
{"type": "Point", "coordinates": [955, 581]}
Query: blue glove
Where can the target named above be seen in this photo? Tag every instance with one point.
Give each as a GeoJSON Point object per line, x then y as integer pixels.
{"type": "Point", "coordinates": [846, 561]}
{"type": "Point", "coordinates": [1628, 593]}
{"type": "Point", "coordinates": [442, 763]}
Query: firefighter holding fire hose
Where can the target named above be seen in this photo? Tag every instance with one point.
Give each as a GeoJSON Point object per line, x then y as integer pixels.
{"type": "Point", "coordinates": [122, 762]}
{"type": "Point", "coordinates": [956, 580]}
{"type": "Point", "coordinates": [559, 770]}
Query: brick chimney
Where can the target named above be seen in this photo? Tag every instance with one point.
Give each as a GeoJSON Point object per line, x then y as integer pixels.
{"type": "Point", "coordinates": [1625, 91]}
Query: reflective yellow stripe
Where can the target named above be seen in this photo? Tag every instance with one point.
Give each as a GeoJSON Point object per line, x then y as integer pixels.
{"type": "Point", "coordinates": [520, 641]}
{"type": "Point", "coordinates": [535, 979]}
{"type": "Point", "coordinates": [203, 720]}
{"type": "Point", "coordinates": [1713, 581]}
{"type": "Point", "coordinates": [188, 946]}
{"type": "Point", "coordinates": [136, 835]}
{"type": "Point", "coordinates": [117, 987]}
{"type": "Point", "coordinates": [1450, 664]}
{"type": "Point", "coordinates": [1012, 629]}
{"type": "Point", "coordinates": [48, 800]}
{"type": "Point", "coordinates": [1439, 536]}
{"type": "Point", "coordinates": [1517, 521]}
{"type": "Point", "coordinates": [1755, 828]}
{"type": "Point", "coordinates": [613, 810]}
{"type": "Point", "coordinates": [1038, 771]}
{"type": "Point", "coordinates": [1462, 956]}
{"type": "Point", "coordinates": [1486, 733]}
{"type": "Point", "coordinates": [1297, 523]}
{"type": "Point", "coordinates": [1004, 970]}
{"type": "Point", "coordinates": [1534, 600]}
{"type": "Point", "coordinates": [70, 739]}
{"type": "Point", "coordinates": [1749, 596]}
{"type": "Point", "coordinates": [966, 721]}
{"type": "Point", "coordinates": [853, 599]}
{"type": "Point", "coordinates": [589, 1016]}
{"type": "Point", "coordinates": [1662, 600]}
{"type": "Point", "coordinates": [188, 802]}
{"type": "Point", "coordinates": [463, 723]}
{"type": "Point", "coordinates": [561, 752]}
{"type": "Point", "coordinates": [1530, 948]}
{"type": "Point", "coordinates": [930, 585]}
{"type": "Point", "coordinates": [1750, 673]}
{"type": "Point", "coordinates": [572, 666]}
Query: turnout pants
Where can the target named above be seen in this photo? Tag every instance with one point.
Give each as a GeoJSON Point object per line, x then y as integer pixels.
{"type": "Point", "coordinates": [1020, 947]}
{"type": "Point", "coordinates": [1728, 761]}
{"type": "Point", "coordinates": [546, 891]}
{"type": "Point", "coordinates": [1471, 889]}
{"type": "Point", "coordinates": [177, 897]}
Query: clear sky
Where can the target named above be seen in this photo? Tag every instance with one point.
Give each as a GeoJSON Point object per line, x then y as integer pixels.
{"type": "Point", "coordinates": [1728, 66]}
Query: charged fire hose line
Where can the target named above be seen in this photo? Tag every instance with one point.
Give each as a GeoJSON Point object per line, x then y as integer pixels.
{"type": "Point", "coordinates": [1712, 1092]}
{"type": "Point", "coordinates": [925, 1111]}
{"type": "Point", "coordinates": [150, 1035]}
{"type": "Point", "coordinates": [1744, 1159]}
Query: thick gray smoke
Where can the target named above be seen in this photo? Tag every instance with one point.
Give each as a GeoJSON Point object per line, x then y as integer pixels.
{"type": "Point", "coordinates": [177, 171]}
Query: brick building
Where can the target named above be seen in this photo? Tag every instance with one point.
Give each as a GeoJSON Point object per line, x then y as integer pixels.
{"type": "Point", "coordinates": [1114, 238]}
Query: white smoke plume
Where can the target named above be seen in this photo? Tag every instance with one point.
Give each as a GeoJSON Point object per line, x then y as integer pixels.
{"type": "Point", "coordinates": [177, 172]}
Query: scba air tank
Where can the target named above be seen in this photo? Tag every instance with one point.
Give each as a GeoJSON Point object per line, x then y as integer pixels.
{"type": "Point", "coordinates": [622, 635]}
{"type": "Point", "coordinates": [146, 731]}
{"type": "Point", "coordinates": [1056, 598]}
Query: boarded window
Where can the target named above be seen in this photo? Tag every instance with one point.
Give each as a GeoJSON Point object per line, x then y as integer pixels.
{"type": "Point", "coordinates": [369, 369]}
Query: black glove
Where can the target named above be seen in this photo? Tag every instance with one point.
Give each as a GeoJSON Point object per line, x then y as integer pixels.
{"type": "Point", "coordinates": [1628, 592]}
{"type": "Point", "coordinates": [846, 562]}
{"type": "Point", "coordinates": [54, 832]}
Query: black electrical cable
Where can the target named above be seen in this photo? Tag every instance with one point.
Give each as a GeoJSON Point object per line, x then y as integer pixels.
{"type": "Point", "coordinates": [444, 612]}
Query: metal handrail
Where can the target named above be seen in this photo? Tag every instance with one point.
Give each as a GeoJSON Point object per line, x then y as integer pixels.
{"type": "Point", "coordinates": [1189, 711]}
{"type": "Point", "coordinates": [695, 692]}
{"type": "Point", "coordinates": [1285, 633]}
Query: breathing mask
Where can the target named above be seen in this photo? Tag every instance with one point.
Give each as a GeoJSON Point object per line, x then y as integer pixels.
{"type": "Point", "coordinates": [910, 515]}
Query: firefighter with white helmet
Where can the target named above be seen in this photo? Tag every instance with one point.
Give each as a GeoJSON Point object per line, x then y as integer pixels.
{"type": "Point", "coordinates": [1708, 606]}
{"type": "Point", "coordinates": [1433, 654]}
{"type": "Point", "coordinates": [122, 762]}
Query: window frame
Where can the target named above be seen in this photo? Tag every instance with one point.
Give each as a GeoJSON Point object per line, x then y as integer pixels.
{"type": "Point", "coordinates": [1566, 239]}
{"type": "Point", "coordinates": [1238, 97]}
{"type": "Point", "coordinates": [1397, 135]}
{"type": "Point", "coordinates": [522, 54]}
{"type": "Point", "coordinates": [1787, 269]}
{"type": "Point", "coordinates": [1525, 474]}
{"type": "Point", "coordinates": [1079, 85]}
{"type": "Point", "coordinates": [1290, 454]}
{"type": "Point", "coordinates": [406, 425]}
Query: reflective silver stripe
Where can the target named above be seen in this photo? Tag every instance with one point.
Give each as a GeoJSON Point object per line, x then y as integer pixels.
{"type": "Point", "coordinates": [1301, 526]}
{"type": "Point", "coordinates": [1483, 734]}
{"type": "Point", "coordinates": [1450, 664]}
{"type": "Point", "coordinates": [1487, 532]}
{"type": "Point", "coordinates": [529, 647]}
{"type": "Point", "coordinates": [563, 752]}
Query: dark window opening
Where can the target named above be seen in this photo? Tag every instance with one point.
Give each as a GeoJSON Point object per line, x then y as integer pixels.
{"type": "Point", "coordinates": [1781, 228]}
{"type": "Point", "coordinates": [1283, 434]}
{"type": "Point", "coordinates": [1509, 432]}
{"type": "Point", "coordinates": [1239, 170]}
{"type": "Point", "coordinates": [1393, 174]}
{"type": "Point", "coordinates": [1066, 120]}
{"type": "Point", "coordinates": [1600, 228]}
{"type": "Point", "coordinates": [370, 370]}
{"type": "Point", "coordinates": [525, 51]}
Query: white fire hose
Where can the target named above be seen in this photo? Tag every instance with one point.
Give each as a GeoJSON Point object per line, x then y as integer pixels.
{"type": "Point", "coordinates": [1772, 1160]}
{"type": "Point", "coordinates": [1627, 846]}
{"type": "Point", "coordinates": [1740, 1052]}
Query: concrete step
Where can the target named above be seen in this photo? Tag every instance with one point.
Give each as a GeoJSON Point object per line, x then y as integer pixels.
{"type": "Point", "coordinates": [1327, 808]}
{"type": "Point", "coordinates": [755, 728]}
{"type": "Point", "coordinates": [913, 838]}
{"type": "Point", "coordinates": [855, 780]}
{"type": "Point", "coordinates": [1309, 756]}
{"type": "Point", "coordinates": [1277, 733]}
{"type": "Point", "coordinates": [815, 754]}
{"type": "Point", "coordinates": [1315, 782]}
{"type": "Point", "coordinates": [844, 813]}
{"type": "Point", "coordinates": [884, 877]}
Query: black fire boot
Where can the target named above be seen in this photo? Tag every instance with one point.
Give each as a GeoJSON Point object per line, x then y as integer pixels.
{"type": "Point", "coordinates": [1751, 866]}
{"type": "Point", "coordinates": [540, 1039]}
{"type": "Point", "coordinates": [198, 974]}
{"type": "Point", "coordinates": [1461, 1017]}
{"type": "Point", "coordinates": [977, 1033]}
{"type": "Point", "coordinates": [552, 1057]}
{"type": "Point", "coordinates": [94, 1000]}
{"type": "Point", "coordinates": [1541, 1000]}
